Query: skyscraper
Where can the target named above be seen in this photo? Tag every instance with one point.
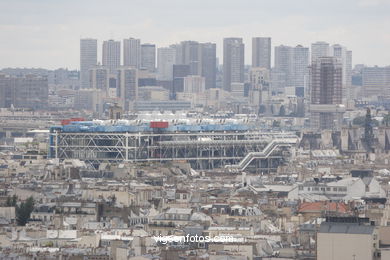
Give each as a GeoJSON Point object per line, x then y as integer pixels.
{"type": "Point", "coordinates": [148, 57]}
{"type": "Point", "coordinates": [99, 78]}
{"type": "Point", "coordinates": [88, 59]}
{"type": "Point", "coordinates": [300, 66]}
{"type": "Point", "coordinates": [112, 55]}
{"type": "Point", "coordinates": [345, 57]}
{"type": "Point", "coordinates": [208, 64]}
{"type": "Point", "coordinates": [132, 52]}
{"type": "Point", "coordinates": [291, 66]}
{"type": "Point", "coordinates": [180, 71]}
{"type": "Point", "coordinates": [319, 49]}
{"type": "Point", "coordinates": [233, 62]}
{"type": "Point", "coordinates": [284, 56]}
{"type": "Point", "coordinates": [189, 53]}
{"type": "Point", "coordinates": [326, 93]}
{"type": "Point", "coordinates": [127, 89]}
{"type": "Point", "coordinates": [261, 52]}
{"type": "Point", "coordinates": [166, 58]}
{"type": "Point", "coordinates": [259, 87]}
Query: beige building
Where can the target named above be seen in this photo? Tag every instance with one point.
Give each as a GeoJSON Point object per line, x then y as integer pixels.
{"type": "Point", "coordinates": [347, 241]}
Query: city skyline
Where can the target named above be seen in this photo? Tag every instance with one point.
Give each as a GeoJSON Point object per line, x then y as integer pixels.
{"type": "Point", "coordinates": [307, 20]}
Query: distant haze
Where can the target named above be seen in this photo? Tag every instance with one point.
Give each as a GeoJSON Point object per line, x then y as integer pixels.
{"type": "Point", "coordinates": [46, 33]}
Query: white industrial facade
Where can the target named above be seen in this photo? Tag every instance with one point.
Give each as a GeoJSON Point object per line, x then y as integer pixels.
{"type": "Point", "coordinates": [203, 150]}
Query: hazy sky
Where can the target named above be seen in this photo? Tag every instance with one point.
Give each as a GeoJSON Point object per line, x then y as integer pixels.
{"type": "Point", "coordinates": [46, 33]}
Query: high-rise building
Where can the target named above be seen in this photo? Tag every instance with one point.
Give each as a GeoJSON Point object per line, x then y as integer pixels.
{"type": "Point", "coordinates": [166, 58]}
{"type": "Point", "coordinates": [259, 92]}
{"type": "Point", "coordinates": [233, 62]}
{"type": "Point", "coordinates": [99, 78]}
{"type": "Point", "coordinates": [88, 59]}
{"type": "Point", "coordinates": [194, 84]}
{"type": "Point", "coordinates": [127, 89]}
{"type": "Point", "coordinates": [148, 57]}
{"type": "Point", "coordinates": [326, 93]}
{"type": "Point", "coordinates": [345, 57]}
{"type": "Point", "coordinates": [319, 49]}
{"type": "Point", "coordinates": [209, 64]}
{"type": "Point", "coordinates": [111, 55]}
{"type": "Point", "coordinates": [284, 56]}
{"type": "Point", "coordinates": [191, 56]}
{"type": "Point", "coordinates": [28, 91]}
{"type": "Point", "coordinates": [291, 68]}
{"type": "Point", "coordinates": [376, 81]}
{"type": "Point", "coordinates": [261, 52]}
{"type": "Point", "coordinates": [200, 57]}
{"type": "Point", "coordinates": [300, 66]}
{"type": "Point", "coordinates": [132, 53]}
{"type": "Point", "coordinates": [179, 73]}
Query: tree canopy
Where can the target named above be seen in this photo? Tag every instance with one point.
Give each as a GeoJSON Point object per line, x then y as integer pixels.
{"type": "Point", "coordinates": [23, 211]}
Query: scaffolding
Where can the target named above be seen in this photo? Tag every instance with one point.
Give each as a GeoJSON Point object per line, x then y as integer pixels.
{"type": "Point", "coordinates": [203, 150]}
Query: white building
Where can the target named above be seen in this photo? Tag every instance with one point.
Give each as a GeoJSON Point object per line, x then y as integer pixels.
{"type": "Point", "coordinates": [345, 57]}
{"type": "Point", "coordinates": [127, 86]}
{"type": "Point", "coordinates": [233, 62]}
{"type": "Point", "coordinates": [148, 57]}
{"type": "Point", "coordinates": [260, 81]}
{"type": "Point", "coordinates": [194, 84]}
{"type": "Point", "coordinates": [292, 63]}
{"type": "Point", "coordinates": [346, 190]}
{"type": "Point", "coordinates": [99, 78]}
{"type": "Point", "coordinates": [88, 59]}
{"type": "Point", "coordinates": [261, 52]}
{"type": "Point", "coordinates": [166, 58]}
{"type": "Point", "coordinates": [376, 81]}
{"type": "Point", "coordinates": [132, 52]}
{"type": "Point", "coordinates": [111, 55]}
{"type": "Point", "coordinates": [347, 241]}
{"type": "Point", "coordinates": [319, 49]}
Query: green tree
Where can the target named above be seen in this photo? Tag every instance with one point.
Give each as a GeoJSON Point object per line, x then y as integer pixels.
{"type": "Point", "coordinates": [23, 212]}
{"type": "Point", "coordinates": [368, 131]}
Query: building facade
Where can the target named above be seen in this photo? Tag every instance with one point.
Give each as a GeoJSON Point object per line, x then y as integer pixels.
{"type": "Point", "coordinates": [261, 52]}
{"type": "Point", "coordinates": [233, 62]}
{"type": "Point", "coordinates": [88, 59]}
{"type": "Point", "coordinates": [326, 93]}
{"type": "Point", "coordinates": [132, 53]}
{"type": "Point", "coordinates": [166, 58]}
{"type": "Point", "coordinates": [148, 57]}
{"type": "Point", "coordinates": [28, 91]}
{"type": "Point", "coordinates": [127, 89]}
{"type": "Point", "coordinates": [111, 57]}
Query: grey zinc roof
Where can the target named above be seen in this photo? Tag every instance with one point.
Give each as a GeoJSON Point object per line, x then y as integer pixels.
{"type": "Point", "coordinates": [346, 228]}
